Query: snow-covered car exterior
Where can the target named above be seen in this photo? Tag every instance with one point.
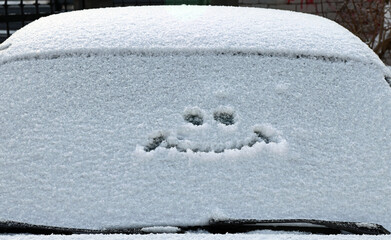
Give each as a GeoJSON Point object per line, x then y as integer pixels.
{"type": "Point", "coordinates": [145, 116]}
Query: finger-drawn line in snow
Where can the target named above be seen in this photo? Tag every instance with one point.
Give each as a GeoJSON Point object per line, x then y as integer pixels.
{"type": "Point", "coordinates": [225, 116]}
{"type": "Point", "coordinates": [4, 46]}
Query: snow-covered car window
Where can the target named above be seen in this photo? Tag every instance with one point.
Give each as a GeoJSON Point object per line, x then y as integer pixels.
{"type": "Point", "coordinates": [177, 137]}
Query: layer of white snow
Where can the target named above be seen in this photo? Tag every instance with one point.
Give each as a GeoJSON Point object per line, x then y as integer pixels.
{"type": "Point", "coordinates": [160, 229]}
{"type": "Point", "coordinates": [134, 116]}
{"type": "Point", "coordinates": [156, 29]}
{"type": "Point", "coordinates": [74, 133]}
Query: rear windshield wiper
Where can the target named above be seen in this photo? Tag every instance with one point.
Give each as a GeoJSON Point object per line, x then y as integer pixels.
{"type": "Point", "coordinates": [214, 227]}
{"type": "Point", "coordinates": [300, 225]}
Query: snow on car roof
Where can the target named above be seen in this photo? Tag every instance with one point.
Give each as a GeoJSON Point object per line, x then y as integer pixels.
{"type": "Point", "coordinates": [157, 29]}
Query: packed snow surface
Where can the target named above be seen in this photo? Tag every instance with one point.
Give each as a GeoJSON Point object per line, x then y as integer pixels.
{"type": "Point", "coordinates": [176, 138]}
{"type": "Point", "coordinates": [113, 140]}
{"type": "Point", "coordinates": [155, 29]}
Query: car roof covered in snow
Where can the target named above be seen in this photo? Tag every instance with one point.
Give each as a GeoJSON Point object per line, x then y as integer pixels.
{"type": "Point", "coordinates": [150, 29]}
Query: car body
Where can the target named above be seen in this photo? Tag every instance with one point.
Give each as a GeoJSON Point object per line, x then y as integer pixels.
{"type": "Point", "coordinates": [150, 116]}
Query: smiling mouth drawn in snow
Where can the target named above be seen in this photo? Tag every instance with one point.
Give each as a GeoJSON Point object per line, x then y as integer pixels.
{"type": "Point", "coordinates": [225, 118]}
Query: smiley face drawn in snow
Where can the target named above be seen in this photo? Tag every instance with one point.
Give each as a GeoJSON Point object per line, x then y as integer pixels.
{"type": "Point", "coordinates": [215, 132]}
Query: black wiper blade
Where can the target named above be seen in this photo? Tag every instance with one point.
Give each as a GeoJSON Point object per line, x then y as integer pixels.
{"type": "Point", "coordinates": [214, 227]}
{"type": "Point", "coordinates": [10, 227]}
{"type": "Point", "coordinates": [301, 225]}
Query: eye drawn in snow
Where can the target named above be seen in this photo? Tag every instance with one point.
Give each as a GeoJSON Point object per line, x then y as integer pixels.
{"type": "Point", "coordinates": [216, 132]}
{"type": "Point", "coordinates": [194, 116]}
{"type": "Point", "coordinates": [225, 116]}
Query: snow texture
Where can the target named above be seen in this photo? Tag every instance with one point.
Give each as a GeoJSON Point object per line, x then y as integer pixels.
{"type": "Point", "coordinates": [156, 29]}
{"type": "Point", "coordinates": [109, 140]}
{"type": "Point", "coordinates": [161, 229]}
